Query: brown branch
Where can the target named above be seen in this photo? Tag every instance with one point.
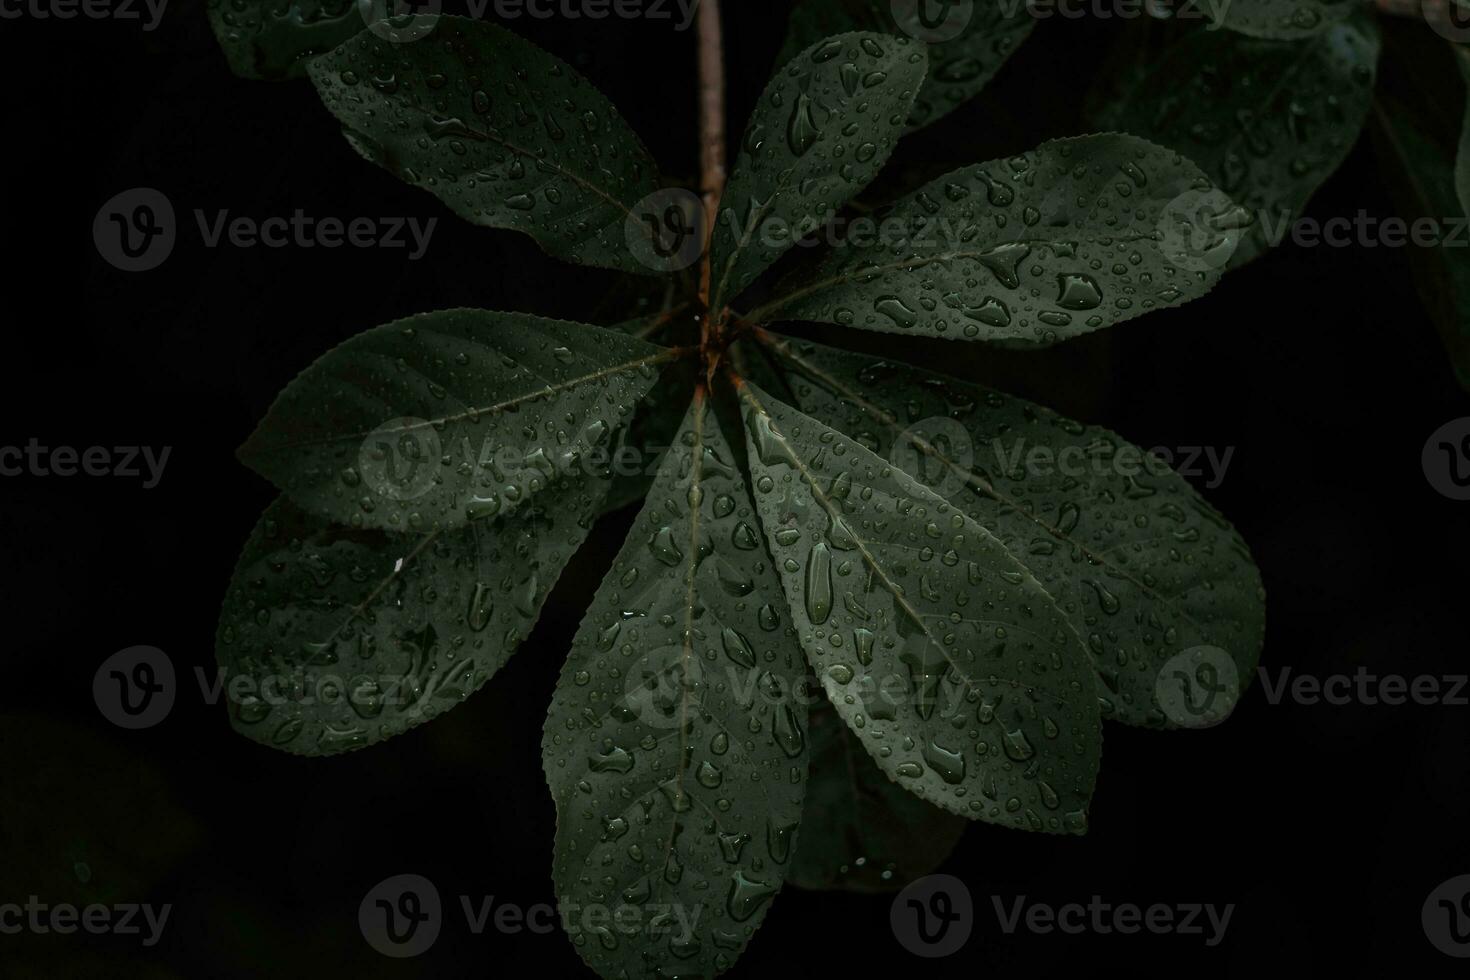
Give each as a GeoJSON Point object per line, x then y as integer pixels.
{"type": "Point", "coordinates": [711, 132]}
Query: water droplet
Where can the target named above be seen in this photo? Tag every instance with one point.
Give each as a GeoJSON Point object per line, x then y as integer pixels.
{"type": "Point", "coordinates": [819, 583]}
{"type": "Point", "coordinates": [1077, 291]}
{"type": "Point", "coordinates": [663, 548]}
{"type": "Point", "coordinates": [949, 765]}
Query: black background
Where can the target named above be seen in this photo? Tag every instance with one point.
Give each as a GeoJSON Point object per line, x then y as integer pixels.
{"type": "Point", "coordinates": [1326, 826]}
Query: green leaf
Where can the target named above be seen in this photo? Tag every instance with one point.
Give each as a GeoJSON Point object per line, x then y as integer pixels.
{"type": "Point", "coordinates": [976, 41]}
{"type": "Point", "coordinates": [1269, 121]}
{"type": "Point", "coordinates": [1283, 19]}
{"type": "Point", "coordinates": [1143, 568]}
{"type": "Point", "coordinates": [446, 417]}
{"type": "Point", "coordinates": [1428, 190]}
{"type": "Point", "coordinates": [943, 654]}
{"type": "Point", "coordinates": [273, 39]}
{"type": "Point", "coordinates": [822, 130]}
{"type": "Point", "coordinates": [861, 831]}
{"type": "Point", "coordinates": [1077, 235]}
{"type": "Point", "coordinates": [342, 638]}
{"type": "Point", "coordinates": [505, 134]}
{"type": "Point", "coordinates": [675, 747]}
{"type": "Point", "coordinates": [1462, 156]}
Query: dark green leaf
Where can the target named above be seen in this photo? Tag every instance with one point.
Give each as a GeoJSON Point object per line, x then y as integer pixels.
{"type": "Point", "coordinates": [675, 747]}
{"type": "Point", "coordinates": [948, 660]}
{"type": "Point", "coordinates": [1074, 236]}
{"type": "Point", "coordinates": [1462, 156]}
{"type": "Point", "coordinates": [1269, 121]}
{"type": "Point", "coordinates": [1143, 568]}
{"type": "Point", "coordinates": [1427, 190]}
{"type": "Point", "coordinates": [1280, 18]}
{"type": "Point", "coordinates": [273, 39]}
{"type": "Point", "coordinates": [822, 130]}
{"type": "Point", "coordinates": [447, 417]}
{"type": "Point", "coordinates": [967, 44]}
{"type": "Point", "coordinates": [861, 831]}
{"type": "Point", "coordinates": [505, 134]}
{"type": "Point", "coordinates": [342, 638]}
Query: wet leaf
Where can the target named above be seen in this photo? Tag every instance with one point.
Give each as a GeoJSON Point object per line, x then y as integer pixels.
{"type": "Point", "coordinates": [945, 657]}
{"type": "Point", "coordinates": [1280, 18]}
{"type": "Point", "coordinates": [1077, 235]}
{"type": "Point", "coordinates": [675, 747]}
{"type": "Point", "coordinates": [967, 43]}
{"type": "Point", "coordinates": [1416, 141]}
{"type": "Point", "coordinates": [505, 134]}
{"type": "Point", "coordinates": [449, 417]}
{"type": "Point", "coordinates": [1268, 121]}
{"type": "Point", "coordinates": [822, 130]}
{"type": "Point", "coordinates": [1462, 156]}
{"type": "Point", "coordinates": [338, 639]}
{"type": "Point", "coordinates": [273, 39]}
{"type": "Point", "coordinates": [1141, 565]}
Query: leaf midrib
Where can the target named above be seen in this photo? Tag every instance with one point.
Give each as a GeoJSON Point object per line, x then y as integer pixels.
{"type": "Point", "coordinates": [551, 389]}
{"type": "Point", "coordinates": [973, 478]}
{"type": "Point", "coordinates": [900, 600]}
{"type": "Point", "coordinates": [775, 306]}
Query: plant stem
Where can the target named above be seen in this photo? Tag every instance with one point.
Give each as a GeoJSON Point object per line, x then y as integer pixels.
{"type": "Point", "coordinates": [711, 138]}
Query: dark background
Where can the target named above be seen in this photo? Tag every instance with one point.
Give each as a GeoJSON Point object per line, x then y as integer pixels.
{"type": "Point", "coordinates": [1326, 826]}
